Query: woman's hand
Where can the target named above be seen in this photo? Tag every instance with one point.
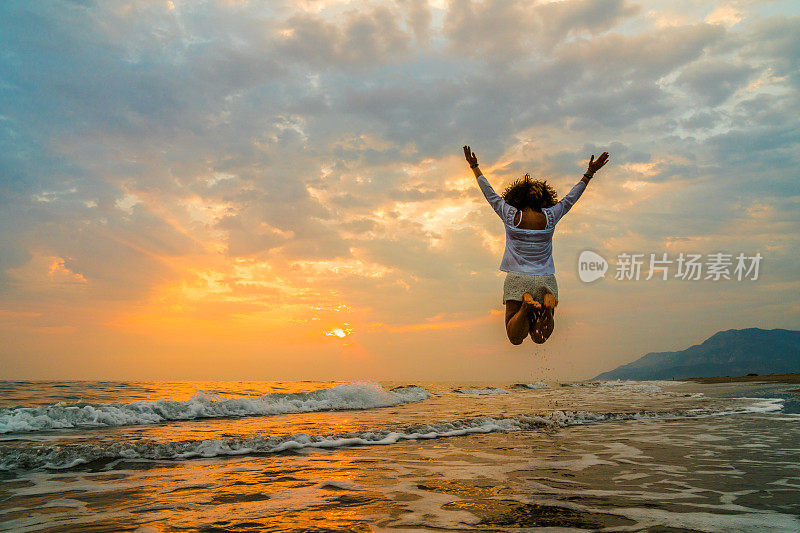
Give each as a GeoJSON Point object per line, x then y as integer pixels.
{"type": "Point", "coordinates": [594, 166]}
{"type": "Point", "coordinates": [472, 159]}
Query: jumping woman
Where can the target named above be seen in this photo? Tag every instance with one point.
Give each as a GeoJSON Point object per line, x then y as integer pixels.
{"type": "Point", "coordinates": [529, 211]}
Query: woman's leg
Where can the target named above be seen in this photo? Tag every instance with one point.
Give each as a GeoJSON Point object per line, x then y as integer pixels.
{"type": "Point", "coordinates": [518, 319]}
{"type": "Point", "coordinates": [542, 328]}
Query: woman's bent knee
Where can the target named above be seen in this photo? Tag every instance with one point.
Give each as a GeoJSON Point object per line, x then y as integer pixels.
{"type": "Point", "coordinates": [516, 342]}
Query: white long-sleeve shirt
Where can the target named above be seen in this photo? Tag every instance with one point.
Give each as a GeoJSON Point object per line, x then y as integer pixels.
{"type": "Point", "coordinates": [529, 251]}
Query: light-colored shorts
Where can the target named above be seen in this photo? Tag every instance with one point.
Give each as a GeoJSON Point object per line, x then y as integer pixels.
{"type": "Point", "coordinates": [518, 284]}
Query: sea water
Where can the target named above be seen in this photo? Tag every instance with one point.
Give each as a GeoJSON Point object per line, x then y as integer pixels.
{"type": "Point", "coordinates": [363, 456]}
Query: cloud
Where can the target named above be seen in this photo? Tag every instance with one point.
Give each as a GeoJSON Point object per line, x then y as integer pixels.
{"type": "Point", "coordinates": [418, 16]}
{"type": "Point", "coordinates": [775, 41]}
{"type": "Point", "coordinates": [502, 32]}
{"type": "Point", "coordinates": [714, 81]}
{"type": "Point", "coordinates": [359, 40]}
{"type": "Point", "coordinates": [256, 166]}
{"type": "Point", "coordinates": [616, 59]}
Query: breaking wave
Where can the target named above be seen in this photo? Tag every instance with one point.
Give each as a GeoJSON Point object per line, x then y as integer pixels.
{"type": "Point", "coordinates": [72, 455]}
{"type": "Point", "coordinates": [204, 404]}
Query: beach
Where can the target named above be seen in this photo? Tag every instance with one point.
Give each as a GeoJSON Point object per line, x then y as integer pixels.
{"type": "Point", "coordinates": [314, 456]}
{"type": "Point", "coordinates": [267, 266]}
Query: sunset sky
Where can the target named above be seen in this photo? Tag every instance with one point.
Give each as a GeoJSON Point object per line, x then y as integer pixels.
{"type": "Point", "coordinates": [277, 190]}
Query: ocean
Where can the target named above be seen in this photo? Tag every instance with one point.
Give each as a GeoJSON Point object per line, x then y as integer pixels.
{"type": "Point", "coordinates": [364, 456]}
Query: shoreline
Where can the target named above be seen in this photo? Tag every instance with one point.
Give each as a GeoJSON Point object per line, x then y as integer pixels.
{"type": "Point", "coordinates": [768, 378]}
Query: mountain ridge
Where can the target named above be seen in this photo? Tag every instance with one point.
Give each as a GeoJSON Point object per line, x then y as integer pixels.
{"type": "Point", "coordinates": [725, 353]}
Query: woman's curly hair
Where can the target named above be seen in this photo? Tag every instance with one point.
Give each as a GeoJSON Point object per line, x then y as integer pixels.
{"type": "Point", "coordinates": [526, 192]}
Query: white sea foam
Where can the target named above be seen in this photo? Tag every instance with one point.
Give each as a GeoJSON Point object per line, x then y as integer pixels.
{"type": "Point", "coordinates": [69, 456]}
{"type": "Point", "coordinates": [537, 385]}
{"type": "Point", "coordinates": [362, 395]}
{"type": "Point", "coordinates": [646, 386]}
{"type": "Point", "coordinates": [757, 405]}
{"type": "Point", "coordinates": [480, 391]}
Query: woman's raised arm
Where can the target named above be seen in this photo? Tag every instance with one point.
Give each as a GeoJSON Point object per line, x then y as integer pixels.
{"type": "Point", "coordinates": [505, 211]}
{"type": "Point", "coordinates": [561, 208]}
{"type": "Point", "coordinates": [594, 166]}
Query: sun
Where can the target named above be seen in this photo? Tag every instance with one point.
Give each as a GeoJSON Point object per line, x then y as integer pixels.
{"type": "Point", "coordinates": [340, 332]}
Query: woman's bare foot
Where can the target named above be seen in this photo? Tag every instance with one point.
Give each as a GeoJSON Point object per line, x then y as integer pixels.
{"type": "Point", "coordinates": [542, 327]}
{"type": "Point", "coordinates": [550, 301]}
{"type": "Point", "coordinates": [528, 299]}
{"type": "Point", "coordinates": [531, 305]}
